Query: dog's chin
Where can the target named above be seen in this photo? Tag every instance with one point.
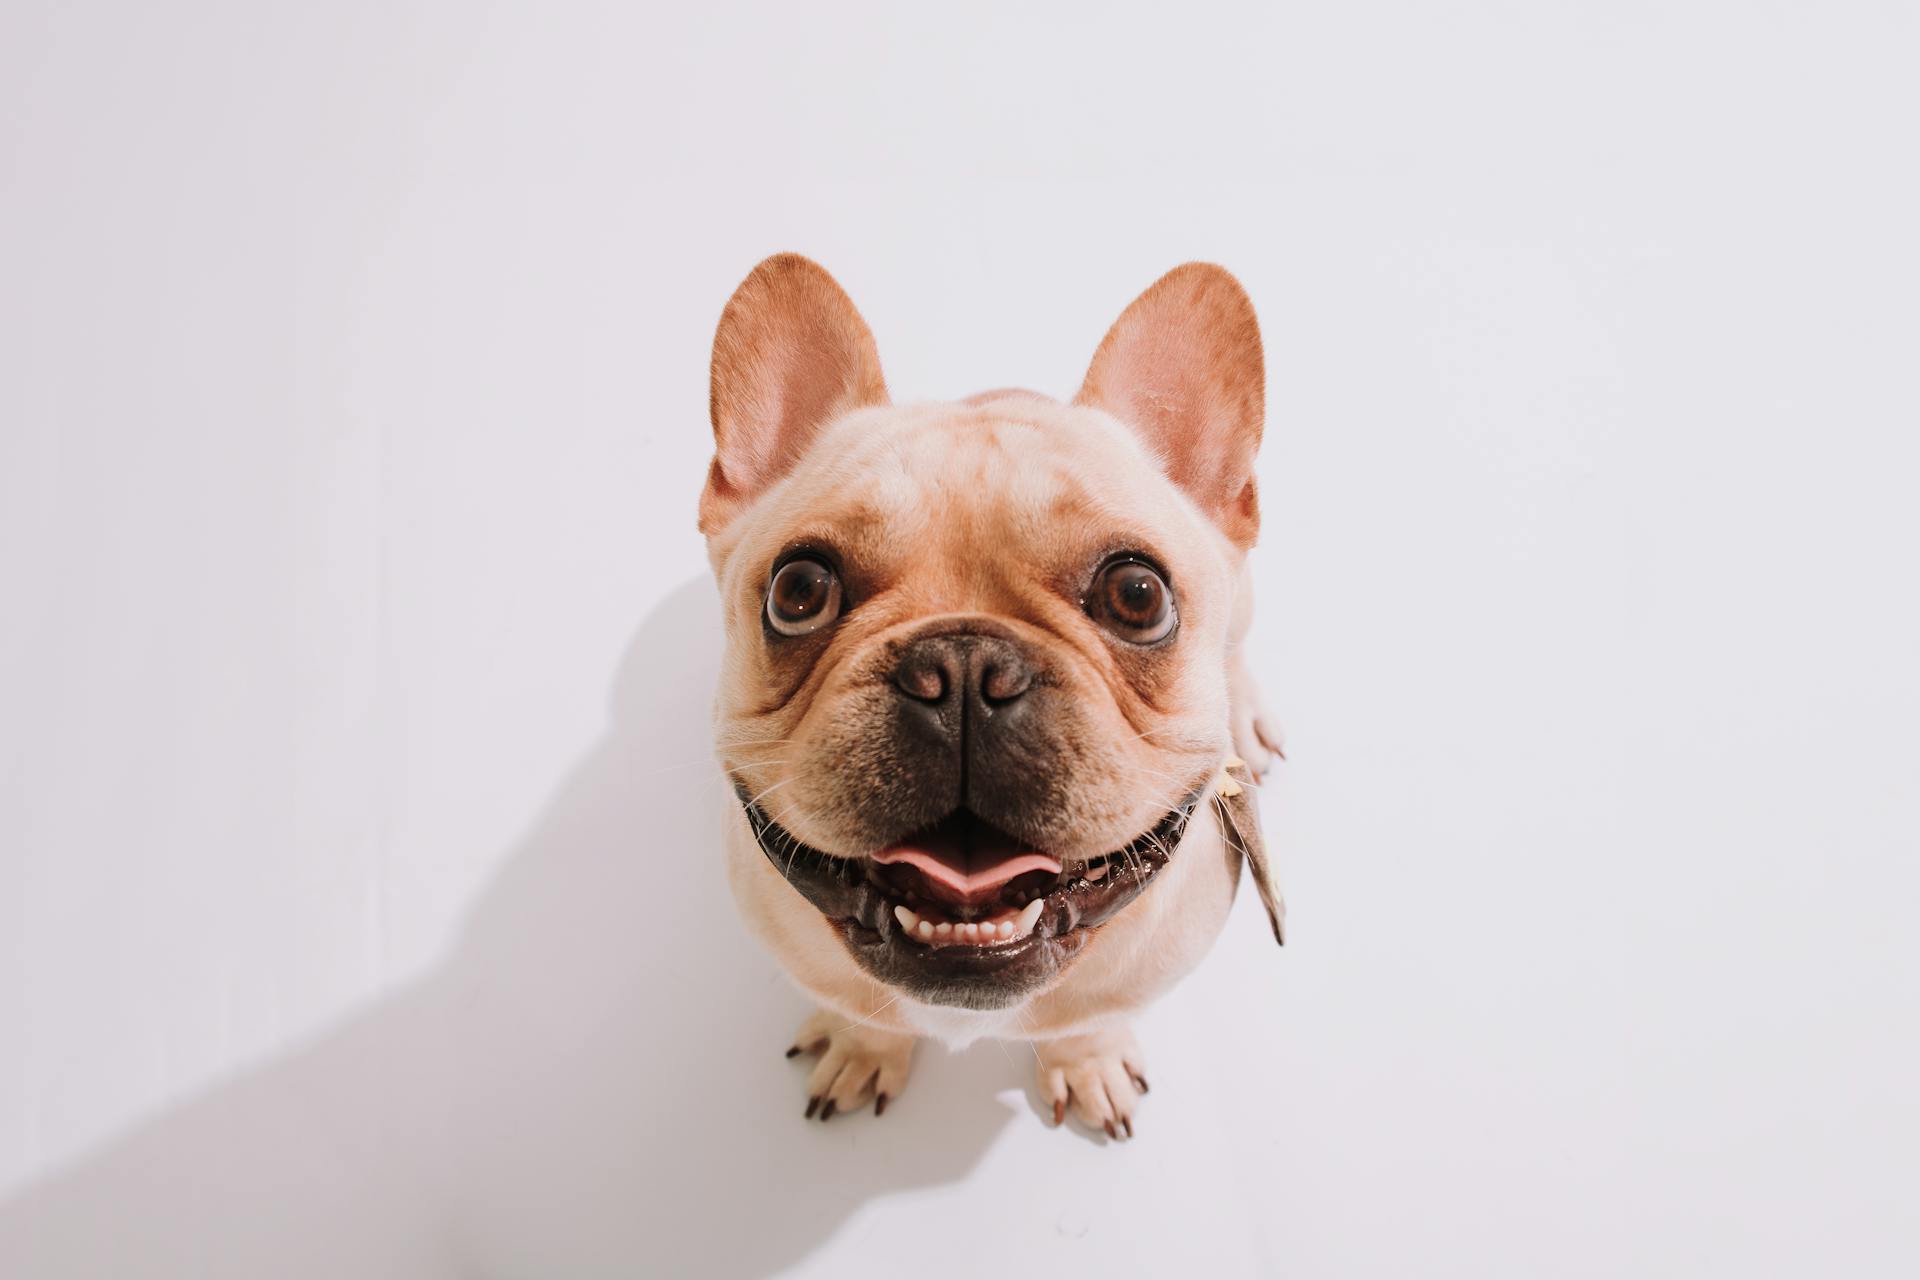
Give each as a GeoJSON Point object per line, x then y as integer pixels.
{"type": "Point", "coordinates": [962, 914]}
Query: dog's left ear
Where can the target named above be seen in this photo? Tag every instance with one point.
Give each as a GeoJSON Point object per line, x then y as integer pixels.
{"type": "Point", "coordinates": [1183, 367]}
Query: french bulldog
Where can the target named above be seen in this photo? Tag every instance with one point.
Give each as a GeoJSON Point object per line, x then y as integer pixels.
{"type": "Point", "coordinates": [983, 705]}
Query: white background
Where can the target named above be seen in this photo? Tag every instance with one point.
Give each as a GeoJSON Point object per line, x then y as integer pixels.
{"type": "Point", "coordinates": [360, 912]}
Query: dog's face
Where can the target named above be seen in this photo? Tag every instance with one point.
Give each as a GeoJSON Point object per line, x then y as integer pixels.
{"type": "Point", "coordinates": [975, 674]}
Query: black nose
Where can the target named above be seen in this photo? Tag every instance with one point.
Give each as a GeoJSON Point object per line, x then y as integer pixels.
{"type": "Point", "coordinates": [950, 682]}
{"type": "Point", "coordinates": [976, 723]}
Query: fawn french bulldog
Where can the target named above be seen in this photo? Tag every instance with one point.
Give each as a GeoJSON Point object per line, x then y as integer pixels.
{"type": "Point", "coordinates": [983, 704]}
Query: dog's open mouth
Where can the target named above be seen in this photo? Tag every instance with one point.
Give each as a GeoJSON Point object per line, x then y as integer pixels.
{"type": "Point", "coordinates": [962, 913]}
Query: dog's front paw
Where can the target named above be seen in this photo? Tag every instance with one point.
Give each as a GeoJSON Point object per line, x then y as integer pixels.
{"type": "Point", "coordinates": [1257, 736]}
{"type": "Point", "coordinates": [857, 1063]}
{"type": "Point", "coordinates": [1101, 1077]}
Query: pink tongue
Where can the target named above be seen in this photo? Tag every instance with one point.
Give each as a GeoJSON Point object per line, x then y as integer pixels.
{"type": "Point", "coordinates": [968, 883]}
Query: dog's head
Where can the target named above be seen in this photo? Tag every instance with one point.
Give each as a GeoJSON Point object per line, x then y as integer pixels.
{"type": "Point", "coordinates": [975, 675]}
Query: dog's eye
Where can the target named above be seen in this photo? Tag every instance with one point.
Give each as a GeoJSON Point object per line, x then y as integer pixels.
{"type": "Point", "coordinates": [1133, 601]}
{"type": "Point", "coordinates": [803, 597]}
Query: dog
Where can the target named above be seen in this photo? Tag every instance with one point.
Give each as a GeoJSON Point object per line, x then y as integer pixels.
{"type": "Point", "coordinates": [983, 704]}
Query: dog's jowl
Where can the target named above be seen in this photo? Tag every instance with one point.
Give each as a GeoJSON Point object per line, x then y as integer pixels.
{"type": "Point", "coordinates": [983, 707]}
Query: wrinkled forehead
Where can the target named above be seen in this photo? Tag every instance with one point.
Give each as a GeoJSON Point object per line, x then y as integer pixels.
{"type": "Point", "coordinates": [1005, 479]}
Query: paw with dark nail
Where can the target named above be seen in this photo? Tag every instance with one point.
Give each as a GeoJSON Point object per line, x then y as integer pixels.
{"type": "Point", "coordinates": [1096, 1077]}
{"type": "Point", "coordinates": [859, 1063]}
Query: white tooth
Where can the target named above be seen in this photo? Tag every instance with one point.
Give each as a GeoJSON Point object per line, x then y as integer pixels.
{"type": "Point", "coordinates": [1030, 915]}
{"type": "Point", "coordinates": [906, 918]}
{"type": "Point", "coordinates": [973, 931]}
{"type": "Point", "coordinates": [926, 930]}
{"type": "Point", "coordinates": [1006, 930]}
{"type": "Point", "coordinates": [1097, 873]}
{"type": "Point", "coordinates": [944, 929]}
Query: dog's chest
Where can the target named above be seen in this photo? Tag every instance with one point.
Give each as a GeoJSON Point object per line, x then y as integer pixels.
{"type": "Point", "coordinates": [958, 1028]}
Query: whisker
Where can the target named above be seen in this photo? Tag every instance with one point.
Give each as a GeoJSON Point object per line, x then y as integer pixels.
{"type": "Point", "coordinates": [793, 843]}
{"type": "Point", "coordinates": [724, 735]}
{"type": "Point", "coordinates": [685, 764]}
{"type": "Point", "coordinates": [876, 1013]}
{"type": "Point", "coordinates": [760, 764]}
{"type": "Point", "coordinates": [1020, 1016]}
{"type": "Point", "coordinates": [770, 790]}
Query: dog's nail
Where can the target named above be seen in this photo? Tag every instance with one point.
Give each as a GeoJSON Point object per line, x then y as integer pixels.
{"type": "Point", "coordinates": [1059, 1112]}
{"type": "Point", "coordinates": [794, 1052]}
{"type": "Point", "coordinates": [1126, 1122]}
{"type": "Point", "coordinates": [826, 1112]}
{"type": "Point", "coordinates": [880, 1106]}
{"type": "Point", "coordinates": [1112, 1132]}
{"type": "Point", "coordinates": [813, 1105]}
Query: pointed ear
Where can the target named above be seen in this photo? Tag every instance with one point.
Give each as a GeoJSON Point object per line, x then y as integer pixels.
{"type": "Point", "coordinates": [791, 354]}
{"type": "Point", "coordinates": [1183, 367]}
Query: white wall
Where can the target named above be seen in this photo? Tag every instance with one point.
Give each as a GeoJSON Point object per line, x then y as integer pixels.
{"type": "Point", "coordinates": [359, 910]}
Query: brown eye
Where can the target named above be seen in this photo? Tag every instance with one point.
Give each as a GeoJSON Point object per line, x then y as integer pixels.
{"type": "Point", "coordinates": [1133, 601]}
{"type": "Point", "coordinates": [803, 597]}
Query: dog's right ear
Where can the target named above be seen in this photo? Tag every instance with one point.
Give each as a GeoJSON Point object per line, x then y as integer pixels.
{"type": "Point", "coordinates": [791, 354]}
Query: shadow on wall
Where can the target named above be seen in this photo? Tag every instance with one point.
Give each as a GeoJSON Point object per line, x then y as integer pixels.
{"type": "Point", "coordinates": [591, 1084]}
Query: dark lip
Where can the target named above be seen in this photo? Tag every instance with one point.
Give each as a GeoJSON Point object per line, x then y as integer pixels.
{"type": "Point", "coordinates": [852, 897]}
